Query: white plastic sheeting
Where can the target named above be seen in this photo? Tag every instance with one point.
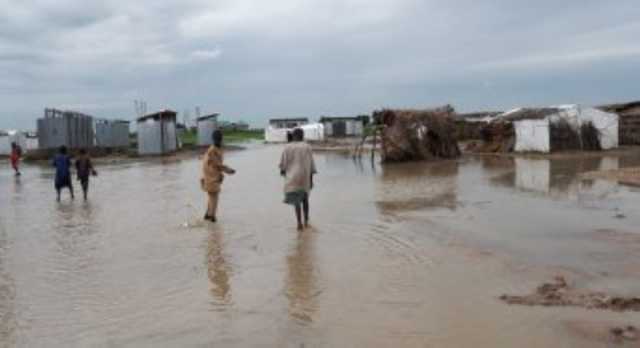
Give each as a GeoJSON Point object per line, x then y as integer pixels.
{"type": "Point", "coordinates": [275, 135]}
{"type": "Point", "coordinates": [534, 135]}
{"type": "Point", "coordinates": [312, 132]}
{"type": "Point", "coordinates": [606, 123]}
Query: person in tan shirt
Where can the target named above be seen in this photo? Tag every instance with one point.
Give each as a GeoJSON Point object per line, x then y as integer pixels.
{"type": "Point", "coordinates": [297, 167]}
{"type": "Point", "coordinates": [213, 170]}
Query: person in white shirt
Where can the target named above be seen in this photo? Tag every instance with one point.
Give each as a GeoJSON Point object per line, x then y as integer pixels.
{"type": "Point", "coordinates": [297, 167]}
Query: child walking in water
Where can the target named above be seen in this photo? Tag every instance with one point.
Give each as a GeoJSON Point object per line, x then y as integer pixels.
{"type": "Point", "coordinates": [16, 153]}
{"type": "Point", "coordinates": [213, 170]}
{"type": "Point", "coordinates": [297, 167]}
{"type": "Point", "coordinates": [84, 169]}
{"type": "Point", "coordinates": [62, 162]}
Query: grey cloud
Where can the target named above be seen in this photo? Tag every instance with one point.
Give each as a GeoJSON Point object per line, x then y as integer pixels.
{"type": "Point", "coordinates": [252, 59]}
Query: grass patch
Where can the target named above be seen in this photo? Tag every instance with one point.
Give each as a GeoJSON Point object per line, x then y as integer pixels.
{"type": "Point", "coordinates": [239, 136]}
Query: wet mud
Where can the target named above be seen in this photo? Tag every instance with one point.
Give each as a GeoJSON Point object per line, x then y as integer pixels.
{"type": "Point", "coordinates": [559, 293]}
{"type": "Point", "coordinates": [605, 332]}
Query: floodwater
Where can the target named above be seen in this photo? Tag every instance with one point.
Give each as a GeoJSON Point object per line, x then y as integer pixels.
{"type": "Point", "coordinates": [409, 255]}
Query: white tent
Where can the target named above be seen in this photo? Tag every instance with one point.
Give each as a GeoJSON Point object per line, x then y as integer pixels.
{"type": "Point", "coordinates": [533, 133]}
{"type": "Point", "coordinates": [312, 132]}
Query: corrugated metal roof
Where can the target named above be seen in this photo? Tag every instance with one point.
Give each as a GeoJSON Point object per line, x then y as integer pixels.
{"type": "Point", "coordinates": [207, 117]}
{"type": "Point", "coordinates": [159, 114]}
{"type": "Point", "coordinates": [293, 119]}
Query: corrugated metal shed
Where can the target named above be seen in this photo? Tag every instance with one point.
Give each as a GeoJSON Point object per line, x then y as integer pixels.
{"type": "Point", "coordinates": [112, 133]}
{"type": "Point", "coordinates": [69, 128]}
{"type": "Point", "coordinates": [206, 125]}
{"type": "Point", "coordinates": [344, 126]}
{"type": "Point", "coordinates": [157, 133]}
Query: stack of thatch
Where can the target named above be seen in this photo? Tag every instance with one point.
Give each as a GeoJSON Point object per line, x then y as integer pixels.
{"type": "Point", "coordinates": [414, 135]}
{"type": "Point", "coordinates": [498, 137]}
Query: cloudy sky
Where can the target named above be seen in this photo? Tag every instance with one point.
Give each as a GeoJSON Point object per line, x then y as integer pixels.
{"type": "Point", "coordinates": [255, 59]}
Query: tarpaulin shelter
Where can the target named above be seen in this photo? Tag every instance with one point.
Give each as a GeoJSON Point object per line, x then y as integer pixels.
{"type": "Point", "coordinates": [566, 127]}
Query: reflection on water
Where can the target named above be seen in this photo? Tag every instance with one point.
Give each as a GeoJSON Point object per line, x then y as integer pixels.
{"type": "Point", "coordinates": [218, 269]}
{"type": "Point", "coordinates": [418, 186]}
{"type": "Point", "coordinates": [381, 267]}
{"type": "Point", "coordinates": [300, 281]}
{"type": "Point", "coordinates": [7, 295]}
{"type": "Point", "coordinates": [558, 177]}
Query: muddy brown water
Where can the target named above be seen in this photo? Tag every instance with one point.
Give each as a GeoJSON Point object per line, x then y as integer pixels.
{"type": "Point", "coordinates": [409, 255]}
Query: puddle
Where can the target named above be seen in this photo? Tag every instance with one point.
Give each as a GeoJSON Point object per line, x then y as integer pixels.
{"type": "Point", "coordinates": [408, 255]}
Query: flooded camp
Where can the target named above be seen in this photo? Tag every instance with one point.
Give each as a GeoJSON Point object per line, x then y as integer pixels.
{"type": "Point", "coordinates": [416, 241]}
{"type": "Point", "coordinates": [320, 174]}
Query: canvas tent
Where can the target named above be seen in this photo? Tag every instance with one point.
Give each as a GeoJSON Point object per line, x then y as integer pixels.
{"type": "Point", "coordinates": [556, 128]}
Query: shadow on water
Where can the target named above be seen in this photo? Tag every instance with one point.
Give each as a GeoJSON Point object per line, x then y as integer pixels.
{"type": "Point", "coordinates": [417, 186]}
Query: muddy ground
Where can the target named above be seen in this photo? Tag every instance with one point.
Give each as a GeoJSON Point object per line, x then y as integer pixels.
{"type": "Point", "coordinates": [406, 255]}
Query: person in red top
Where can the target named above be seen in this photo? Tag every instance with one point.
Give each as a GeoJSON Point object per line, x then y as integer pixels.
{"type": "Point", "coordinates": [16, 153]}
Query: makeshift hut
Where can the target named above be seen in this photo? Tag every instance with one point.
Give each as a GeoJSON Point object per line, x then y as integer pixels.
{"type": "Point", "coordinates": [157, 133]}
{"type": "Point", "coordinates": [340, 127]}
{"type": "Point", "coordinates": [568, 127]}
{"type": "Point", "coordinates": [72, 129]}
{"type": "Point", "coordinates": [629, 121]}
{"type": "Point", "coordinates": [411, 135]}
{"type": "Point", "coordinates": [206, 126]}
{"type": "Point", "coordinates": [112, 134]}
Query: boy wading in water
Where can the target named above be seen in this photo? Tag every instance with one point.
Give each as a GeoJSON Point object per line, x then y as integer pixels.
{"type": "Point", "coordinates": [85, 169]}
{"type": "Point", "coordinates": [16, 153]}
{"type": "Point", "coordinates": [213, 170]}
{"type": "Point", "coordinates": [297, 167]}
{"type": "Point", "coordinates": [62, 162]}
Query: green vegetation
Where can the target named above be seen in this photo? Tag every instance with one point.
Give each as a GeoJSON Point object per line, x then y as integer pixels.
{"type": "Point", "coordinates": [243, 136]}
{"type": "Point", "coordinates": [190, 137]}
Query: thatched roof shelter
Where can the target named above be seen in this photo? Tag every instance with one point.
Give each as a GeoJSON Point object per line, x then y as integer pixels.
{"type": "Point", "coordinates": [415, 135]}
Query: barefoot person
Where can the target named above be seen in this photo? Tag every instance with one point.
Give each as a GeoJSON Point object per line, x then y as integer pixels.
{"type": "Point", "coordinates": [84, 169]}
{"type": "Point", "coordinates": [213, 170]}
{"type": "Point", "coordinates": [297, 167]}
{"type": "Point", "coordinates": [16, 153]}
{"type": "Point", "coordinates": [62, 162]}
